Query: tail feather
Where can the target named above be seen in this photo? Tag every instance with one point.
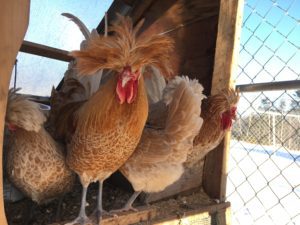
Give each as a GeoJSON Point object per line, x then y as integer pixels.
{"type": "Point", "coordinates": [85, 31]}
{"type": "Point", "coordinates": [155, 84]}
{"type": "Point", "coordinates": [91, 83]}
{"type": "Point", "coordinates": [183, 123]}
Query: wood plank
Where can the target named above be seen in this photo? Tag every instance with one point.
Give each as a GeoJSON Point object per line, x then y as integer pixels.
{"type": "Point", "coordinates": [14, 17]}
{"type": "Point", "coordinates": [229, 28]}
{"type": "Point", "coordinates": [118, 6]}
{"type": "Point", "coordinates": [220, 210]}
{"type": "Point", "coordinates": [45, 51]}
{"type": "Point", "coordinates": [144, 214]}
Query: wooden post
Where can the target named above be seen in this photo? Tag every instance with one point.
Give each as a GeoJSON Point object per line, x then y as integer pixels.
{"type": "Point", "coordinates": [14, 17]}
{"type": "Point", "coordinates": [227, 47]}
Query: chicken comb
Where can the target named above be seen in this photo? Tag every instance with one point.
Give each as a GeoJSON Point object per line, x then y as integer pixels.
{"type": "Point", "coordinates": [125, 48]}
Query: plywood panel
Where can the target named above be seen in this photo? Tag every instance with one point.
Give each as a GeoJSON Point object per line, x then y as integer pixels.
{"type": "Point", "coordinates": [14, 17]}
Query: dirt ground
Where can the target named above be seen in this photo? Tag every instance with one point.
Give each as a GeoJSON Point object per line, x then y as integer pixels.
{"type": "Point", "coordinates": [25, 212]}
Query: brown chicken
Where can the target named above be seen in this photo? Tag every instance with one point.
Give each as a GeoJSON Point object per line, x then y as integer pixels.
{"type": "Point", "coordinates": [218, 112]}
{"type": "Point", "coordinates": [108, 126]}
{"type": "Point", "coordinates": [35, 163]}
{"type": "Point", "coordinates": [158, 159]}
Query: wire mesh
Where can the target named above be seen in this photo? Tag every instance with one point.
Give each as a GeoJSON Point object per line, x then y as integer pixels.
{"type": "Point", "coordinates": [263, 182]}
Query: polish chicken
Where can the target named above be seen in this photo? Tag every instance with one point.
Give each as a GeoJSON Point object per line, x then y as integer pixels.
{"type": "Point", "coordinates": [158, 159]}
{"type": "Point", "coordinates": [218, 112]}
{"type": "Point", "coordinates": [35, 163]}
{"type": "Point", "coordinates": [108, 126]}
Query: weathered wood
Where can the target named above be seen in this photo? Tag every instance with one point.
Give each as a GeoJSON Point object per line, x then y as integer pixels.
{"type": "Point", "coordinates": [144, 214]}
{"type": "Point", "coordinates": [45, 51]}
{"type": "Point", "coordinates": [194, 216]}
{"type": "Point", "coordinates": [118, 6]}
{"type": "Point", "coordinates": [14, 17]}
{"type": "Point", "coordinates": [229, 27]}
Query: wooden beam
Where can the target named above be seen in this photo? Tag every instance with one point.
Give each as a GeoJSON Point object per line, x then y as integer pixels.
{"type": "Point", "coordinates": [199, 215]}
{"type": "Point", "coordinates": [14, 17]}
{"type": "Point", "coordinates": [227, 46]}
{"type": "Point", "coordinates": [45, 51]}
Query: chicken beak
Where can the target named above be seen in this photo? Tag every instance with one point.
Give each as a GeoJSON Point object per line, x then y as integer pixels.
{"type": "Point", "coordinates": [125, 80]}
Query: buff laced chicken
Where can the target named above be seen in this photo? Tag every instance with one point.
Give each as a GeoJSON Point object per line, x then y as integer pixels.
{"type": "Point", "coordinates": [35, 163]}
{"type": "Point", "coordinates": [108, 126]}
{"type": "Point", "coordinates": [218, 113]}
{"type": "Point", "coordinates": [158, 159]}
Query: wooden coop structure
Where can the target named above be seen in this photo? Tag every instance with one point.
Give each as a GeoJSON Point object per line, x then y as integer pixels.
{"type": "Point", "coordinates": [206, 35]}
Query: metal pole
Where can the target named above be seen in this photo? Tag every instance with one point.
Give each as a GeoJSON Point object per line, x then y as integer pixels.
{"type": "Point", "coordinates": [271, 86]}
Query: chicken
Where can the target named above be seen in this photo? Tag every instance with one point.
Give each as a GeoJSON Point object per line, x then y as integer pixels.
{"type": "Point", "coordinates": [35, 163]}
{"type": "Point", "coordinates": [218, 112]}
{"type": "Point", "coordinates": [108, 126]}
{"type": "Point", "coordinates": [158, 159]}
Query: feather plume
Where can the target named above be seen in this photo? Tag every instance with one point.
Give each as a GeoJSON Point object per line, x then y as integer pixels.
{"type": "Point", "coordinates": [123, 48]}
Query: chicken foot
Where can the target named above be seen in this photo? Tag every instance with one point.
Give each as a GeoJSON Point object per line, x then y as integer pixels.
{"type": "Point", "coordinates": [128, 206]}
{"type": "Point", "coordinates": [82, 219]}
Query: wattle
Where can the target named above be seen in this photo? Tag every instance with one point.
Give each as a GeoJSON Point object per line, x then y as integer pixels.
{"type": "Point", "coordinates": [128, 92]}
{"type": "Point", "coordinates": [226, 122]}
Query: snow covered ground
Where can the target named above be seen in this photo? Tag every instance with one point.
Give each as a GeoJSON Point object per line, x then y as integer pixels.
{"type": "Point", "coordinates": [263, 184]}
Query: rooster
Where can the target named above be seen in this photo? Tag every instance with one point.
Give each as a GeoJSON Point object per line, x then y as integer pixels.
{"type": "Point", "coordinates": [108, 126]}
{"type": "Point", "coordinates": [35, 163]}
{"type": "Point", "coordinates": [158, 159]}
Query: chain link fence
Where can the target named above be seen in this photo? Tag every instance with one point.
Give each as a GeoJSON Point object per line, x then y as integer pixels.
{"type": "Point", "coordinates": [263, 182]}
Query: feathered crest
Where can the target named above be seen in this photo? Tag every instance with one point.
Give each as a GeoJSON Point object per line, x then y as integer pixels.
{"type": "Point", "coordinates": [23, 112]}
{"type": "Point", "coordinates": [123, 48]}
{"type": "Point", "coordinates": [224, 100]}
{"type": "Point", "coordinates": [233, 96]}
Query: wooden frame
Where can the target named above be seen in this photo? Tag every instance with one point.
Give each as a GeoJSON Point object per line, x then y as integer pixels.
{"type": "Point", "coordinates": [14, 21]}
{"type": "Point", "coordinates": [229, 29]}
{"type": "Point", "coordinates": [14, 17]}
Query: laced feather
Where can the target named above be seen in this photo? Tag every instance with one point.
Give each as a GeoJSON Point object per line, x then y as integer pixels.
{"type": "Point", "coordinates": [23, 113]}
{"type": "Point", "coordinates": [123, 48]}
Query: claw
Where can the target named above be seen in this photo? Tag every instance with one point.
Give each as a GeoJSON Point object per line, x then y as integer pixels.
{"type": "Point", "coordinates": [81, 220]}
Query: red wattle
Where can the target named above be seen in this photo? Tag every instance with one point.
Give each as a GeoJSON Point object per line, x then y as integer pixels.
{"type": "Point", "coordinates": [128, 92]}
{"type": "Point", "coordinates": [226, 120]}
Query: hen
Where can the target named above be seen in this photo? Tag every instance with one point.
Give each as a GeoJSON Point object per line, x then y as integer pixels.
{"type": "Point", "coordinates": [35, 163]}
{"type": "Point", "coordinates": [108, 126]}
{"type": "Point", "coordinates": [158, 159]}
{"type": "Point", "coordinates": [218, 113]}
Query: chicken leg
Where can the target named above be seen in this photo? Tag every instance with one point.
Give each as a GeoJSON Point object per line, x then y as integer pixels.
{"type": "Point", "coordinates": [99, 211]}
{"type": "Point", "coordinates": [82, 219]}
{"type": "Point", "coordinates": [128, 206]}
